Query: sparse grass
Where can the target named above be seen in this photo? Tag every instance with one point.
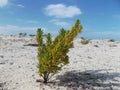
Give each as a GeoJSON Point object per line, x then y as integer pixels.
{"type": "Point", "coordinates": [113, 45]}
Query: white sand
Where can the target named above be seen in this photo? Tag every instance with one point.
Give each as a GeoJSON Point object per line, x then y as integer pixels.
{"type": "Point", "coordinates": [90, 67]}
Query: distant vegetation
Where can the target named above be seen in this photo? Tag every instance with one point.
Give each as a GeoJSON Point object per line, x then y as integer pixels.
{"type": "Point", "coordinates": [96, 46]}
{"type": "Point", "coordinates": [84, 41]}
{"type": "Point", "coordinates": [22, 34]}
{"type": "Point", "coordinates": [31, 35]}
{"type": "Point", "coordinates": [111, 40]}
{"type": "Point", "coordinates": [52, 54]}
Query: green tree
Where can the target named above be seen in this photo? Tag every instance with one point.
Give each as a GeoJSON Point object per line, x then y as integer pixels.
{"type": "Point", "coordinates": [52, 55]}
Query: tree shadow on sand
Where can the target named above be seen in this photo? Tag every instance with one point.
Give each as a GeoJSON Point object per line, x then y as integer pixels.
{"type": "Point", "coordinates": [34, 45]}
{"type": "Point", "coordinates": [90, 80]}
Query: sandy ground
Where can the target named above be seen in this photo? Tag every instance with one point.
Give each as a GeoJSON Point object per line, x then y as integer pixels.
{"type": "Point", "coordinates": [95, 66]}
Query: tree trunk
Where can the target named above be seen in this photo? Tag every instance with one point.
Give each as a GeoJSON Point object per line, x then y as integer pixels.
{"type": "Point", "coordinates": [45, 77]}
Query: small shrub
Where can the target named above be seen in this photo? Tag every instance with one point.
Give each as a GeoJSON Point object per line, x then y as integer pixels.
{"type": "Point", "coordinates": [52, 55]}
{"type": "Point", "coordinates": [31, 35]}
{"type": "Point", "coordinates": [95, 45]}
{"type": "Point", "coordinates": [85, 41]}
{"type": "Point", "coordinates": [111, 40]}
{"type": "Point", "coordinates": [82, 38]}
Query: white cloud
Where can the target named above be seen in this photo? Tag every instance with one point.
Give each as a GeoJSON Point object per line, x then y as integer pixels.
{"type": "Point", "coordinates": [3, 3]}
{"type": "Point", "coordinates": [20, 5]}
{"type": "Point", "coordinates": [31, 21]}
{"type": "Point", "coordinates": [107, 33]}
{"type": "Point", "coordinates": [27, 21]}
{"type": "Point", "coordinates": [10, 12]}
{"type": "Point", "coordinates": [13, 28]}
{"type": "Point", "coordinates": [62, 11]}
{"type": "Point", "coordinates": [116, 16]}
{"type": "Point", "coordinates": [59, 23]}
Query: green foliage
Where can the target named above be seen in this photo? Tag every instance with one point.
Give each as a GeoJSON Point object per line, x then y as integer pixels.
{"type": "Point", "coordinates": [39, 36]}
{"type": "Point", "coordinates": [52, 55]}
{"type": "Point", "coordinates": [49, 39]}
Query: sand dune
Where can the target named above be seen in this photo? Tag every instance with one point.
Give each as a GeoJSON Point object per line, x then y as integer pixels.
{"type": "Point", "coordinates": [95, 66]}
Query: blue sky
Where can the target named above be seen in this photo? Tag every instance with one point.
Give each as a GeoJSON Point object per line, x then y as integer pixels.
{"type": "Point", "coordinates": [100, 18]}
